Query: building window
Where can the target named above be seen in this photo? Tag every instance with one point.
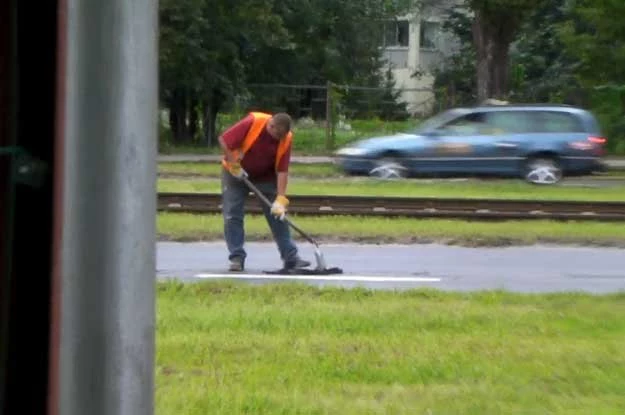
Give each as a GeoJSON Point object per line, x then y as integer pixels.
{"type": "Point", "coordinates": [428, 36]}
{"type": "Point", "coordinates": [396, 33]}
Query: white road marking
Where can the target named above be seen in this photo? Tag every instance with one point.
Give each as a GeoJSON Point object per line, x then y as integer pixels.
{"type": "Point", "coordinates": [359, 278]}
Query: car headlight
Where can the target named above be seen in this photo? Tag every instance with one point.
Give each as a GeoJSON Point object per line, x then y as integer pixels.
{"type": "Point", "coordinates": [351, 151]}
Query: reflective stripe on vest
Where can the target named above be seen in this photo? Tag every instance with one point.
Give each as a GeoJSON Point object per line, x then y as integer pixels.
{"type": "Point", "coordinates": [258, 124]}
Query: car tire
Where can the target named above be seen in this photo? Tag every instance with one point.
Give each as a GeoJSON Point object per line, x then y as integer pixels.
{"type": "Point", "coordinates": [542, 170]}
{"type": "Point", "coordinates": [388, 168]}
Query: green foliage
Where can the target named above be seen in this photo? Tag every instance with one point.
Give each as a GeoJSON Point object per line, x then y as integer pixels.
{"type": "Point", "coordinates": [454, 80]}
{"type": "Point", "coordinates": [495, 26]}
{"type": "Point", "coordinates": [607, 103]}
{"type": "Point", "coordinates": [213, 52]}
{"type": "Point", "coordinates": [595, 36]}
{"type": "Point", "coordinates": [384, 103]}
{"type": "Point", "coordinates": [202, 56]}
{"type": "Point", "coordinates": [503, 18]}
{"type": "Point", "coordinates": [541, 64]}
{"type": "Point", "coordinates": [311, 139]}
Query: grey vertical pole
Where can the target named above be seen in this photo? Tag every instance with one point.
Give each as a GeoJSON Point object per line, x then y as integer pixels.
{"type": "Point", "coordinates": [108, 234]}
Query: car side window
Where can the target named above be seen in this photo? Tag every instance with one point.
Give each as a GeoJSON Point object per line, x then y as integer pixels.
{"type": "Point", "coordinates": [511, 122]}
{"type": "Point", "coordinates": [559, 122]}
{"type": "Point", "coordinates": [470, 124]}
{"type": "Point", "coordinates": [520, 122]}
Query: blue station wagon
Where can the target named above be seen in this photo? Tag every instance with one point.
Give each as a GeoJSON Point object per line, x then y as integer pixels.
{"type": "Point", "coordinates": [539, 143]}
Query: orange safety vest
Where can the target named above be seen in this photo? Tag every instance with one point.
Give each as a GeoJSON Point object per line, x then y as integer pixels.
{"type": "Point", "coordinates": [259, 122]}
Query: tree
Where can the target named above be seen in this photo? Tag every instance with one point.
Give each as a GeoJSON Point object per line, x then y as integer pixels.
{"type": "Point", "coordinates": [541, 64]}
{"type": "Point", "coordinates": [495, 25]}
{"type": "Point", "coordinates": [455, 80]}
{"type": "Point", "coordinates": [336, 41]}
{"type": "Point", "coordinates": [202, 56]}
{"type": "Point", "coordinates": [595, 36]}
{"type": "Point", "coordinates": [211, 51]}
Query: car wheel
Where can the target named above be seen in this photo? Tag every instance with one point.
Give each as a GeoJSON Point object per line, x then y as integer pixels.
{"type": "Point", "coordinates": [542, 170]}
{"type": "Point", "coordinates": [388, 168]}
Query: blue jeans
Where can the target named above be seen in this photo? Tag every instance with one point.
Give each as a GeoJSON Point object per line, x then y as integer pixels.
{"type": "Point", "coordinates": [234, 192]}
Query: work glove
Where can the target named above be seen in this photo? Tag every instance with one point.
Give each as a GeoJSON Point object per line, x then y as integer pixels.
{"type": "Point", "coordinates": [236, 170]}
{"type": "Point", "coordinates": [278, 208]}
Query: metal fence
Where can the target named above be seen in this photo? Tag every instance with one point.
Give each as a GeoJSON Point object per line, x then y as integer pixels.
{"type": "Point", "coordinates": [352, 101]}
{"type": "Point", "coordinates": [334, 106]}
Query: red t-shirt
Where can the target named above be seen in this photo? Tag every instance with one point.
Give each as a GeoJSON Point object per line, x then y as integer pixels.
{"type": "Point", "coordinates": [259, 160]}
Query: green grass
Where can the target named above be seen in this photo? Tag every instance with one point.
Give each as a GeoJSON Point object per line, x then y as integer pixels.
{"type": "Point", "coordinates": [512, 189]}
{"type": "Point", "coordinates": [198, 170]}
{"type": "Point", "coordinates": [187, 227]}
{"type": "Point", "coordinates": [308, 170]}
{"type": "Point", "coordinates": [308, 140]}
{"type": "Point", "coordinates": [225, 348]}
{"type": "Point", "coordinates": [313, 140]}
{"type": "Point", "coordinates": [322, 170]}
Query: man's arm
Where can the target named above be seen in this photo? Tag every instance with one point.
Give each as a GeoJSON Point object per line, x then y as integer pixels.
{"type": "Point", "coordinates": [233, 137]}
{"type": "Point", "coordinates": [230, 155]}
{"type": "Point", "coordinates": [283, 172]}
{"type": "Point", "coordinates": [279, 205]}
{"type": "Point", "coordinates": [283, 180]}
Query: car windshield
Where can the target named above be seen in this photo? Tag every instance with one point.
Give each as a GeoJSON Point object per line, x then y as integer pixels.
{"type": "Point", "coordinates": [437, 120]}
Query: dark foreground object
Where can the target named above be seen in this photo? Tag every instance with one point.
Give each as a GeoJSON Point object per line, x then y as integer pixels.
{"type": "Point", "coordinates": [304, 271]}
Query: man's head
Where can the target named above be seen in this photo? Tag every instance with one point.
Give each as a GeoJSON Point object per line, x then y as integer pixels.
{"type": "Point", "coordinates": [279, 125]}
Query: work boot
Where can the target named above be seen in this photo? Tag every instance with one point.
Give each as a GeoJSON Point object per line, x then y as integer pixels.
{"type": "Point", "coordinates": [236, 265]}
{"type": "Point", "coordinates": [296, 263]}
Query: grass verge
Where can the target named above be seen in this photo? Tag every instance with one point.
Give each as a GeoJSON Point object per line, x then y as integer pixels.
{"type": "Point", "coordinates": [317, 170]}
{"type": "Point", "coordinates": [226, 348]}
{"type": "Point", "coordinates": [309, 139]}
{"type": "Point", "coordinates": [512, 189]}
{"type": "Point", "coordinates": [195, 169]}
{"type": "Point", "coordinates": [189, 227]}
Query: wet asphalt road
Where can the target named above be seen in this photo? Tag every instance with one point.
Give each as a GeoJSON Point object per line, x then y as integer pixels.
{"type": "Point", "coordinates": [536, 268]}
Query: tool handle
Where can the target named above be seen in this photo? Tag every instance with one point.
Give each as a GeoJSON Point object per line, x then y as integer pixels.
{"type": "Point", "coordinates": [301, 232]}
{"type": "Point", "coordinates": [262, 197]}
{"type": "Point", "coordinates": [258, 193]}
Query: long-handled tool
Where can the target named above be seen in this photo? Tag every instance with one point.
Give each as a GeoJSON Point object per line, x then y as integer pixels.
{"type": "Point", "coordinates": [321, 269]}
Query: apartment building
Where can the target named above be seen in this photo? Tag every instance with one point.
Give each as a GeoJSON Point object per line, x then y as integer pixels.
{"type": "Point", "coordinates": [413, 46]}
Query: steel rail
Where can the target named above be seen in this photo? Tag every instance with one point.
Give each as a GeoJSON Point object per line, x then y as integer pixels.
{"type": "Point", "coordinates": [422, 207]}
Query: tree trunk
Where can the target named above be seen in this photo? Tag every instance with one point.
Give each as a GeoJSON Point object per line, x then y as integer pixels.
{"type": "Point", "coordinates": [211, 108]}
{"type": "Point", "coordinates": [178, 118]}
{"type": "Point", "coordinates": [193, 119]}
{"type": "Point", "coordinates": [500, 69]}
{"type": "Point", "coordinates": [208, 124]}
{"type": "Point", "coordinates": [484, 56]}
{"type": "Point", "coordinates": [451, 94]}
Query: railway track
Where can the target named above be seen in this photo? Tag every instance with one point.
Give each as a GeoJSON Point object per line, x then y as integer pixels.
{"type": "Point", "coordinates": [459, 208]}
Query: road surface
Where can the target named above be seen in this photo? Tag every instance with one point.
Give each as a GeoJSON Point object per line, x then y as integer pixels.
{"type": "Point", "coordinates": [538, 268]}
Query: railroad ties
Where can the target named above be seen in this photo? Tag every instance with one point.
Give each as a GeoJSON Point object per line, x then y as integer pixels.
{"type": "Point", "coordinates": [460, 208]}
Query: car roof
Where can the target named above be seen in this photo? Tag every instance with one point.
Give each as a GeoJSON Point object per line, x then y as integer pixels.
{"type": "Point", "coordinates": [587, 116]}
{"type": "Point", "coordinates": [529, 107]}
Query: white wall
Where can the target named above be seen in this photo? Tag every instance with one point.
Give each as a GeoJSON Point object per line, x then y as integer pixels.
{"type": "Point", "coordinates": [406, 60]}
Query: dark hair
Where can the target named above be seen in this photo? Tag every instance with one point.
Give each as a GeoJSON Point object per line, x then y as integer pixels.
{"type": "Point", "coordinates": [283, 120]}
